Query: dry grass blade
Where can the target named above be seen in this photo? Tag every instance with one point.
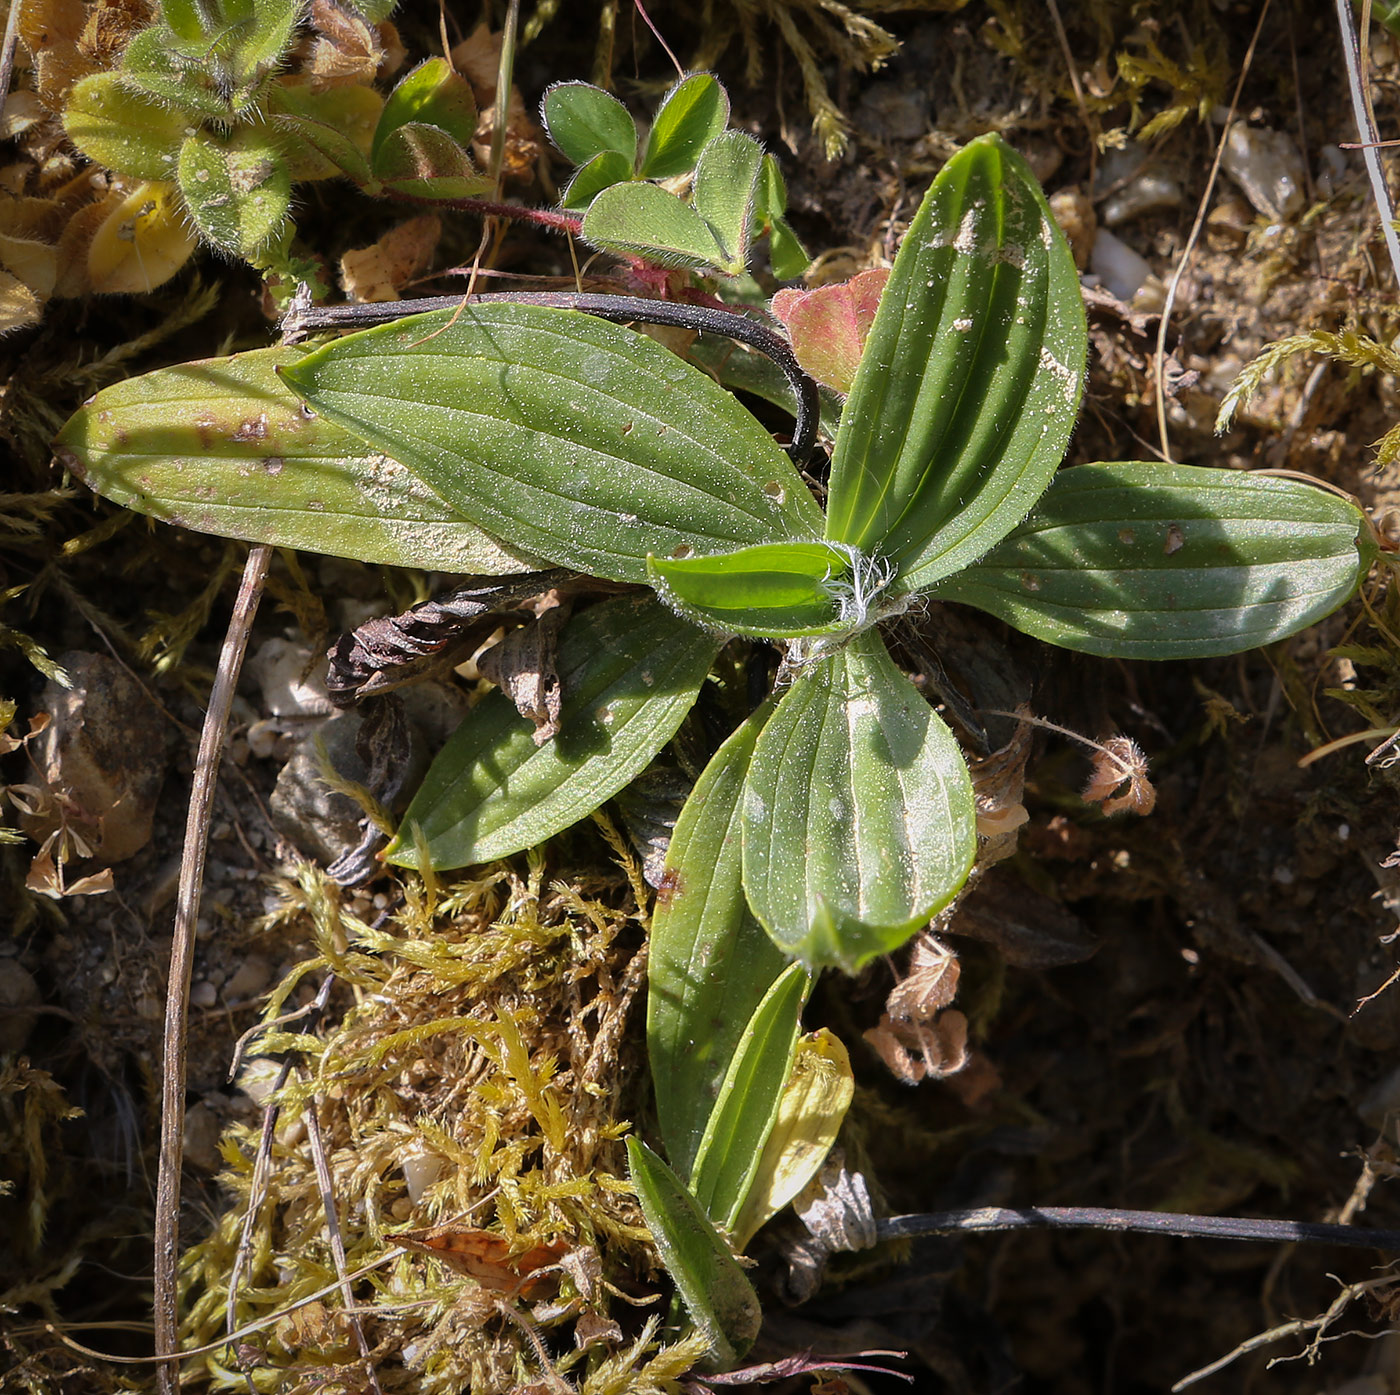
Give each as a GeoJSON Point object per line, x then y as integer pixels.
{"type": "Point", "coordinates": [211, 742]}
{"type": "Point", "coordinates": [1159, 353]}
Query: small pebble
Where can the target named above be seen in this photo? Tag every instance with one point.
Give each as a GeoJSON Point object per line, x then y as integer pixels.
{"type": "Point", "coordinates": [1267, 167]}
{"type": "Point", "coordinates": [202, 1130]}
{"type": "Point", "coordinates": [1121, 270]}
{"type": "Point", "coordinates": [203, 994]}
{"type": "Point", "coordinates": [249, 979]}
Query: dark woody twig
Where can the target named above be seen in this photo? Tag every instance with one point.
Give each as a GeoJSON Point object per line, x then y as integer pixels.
{"type": "Point", "coordinates": [1142, 1222]}
{"type": "Point", "coordinates": [303, 320]}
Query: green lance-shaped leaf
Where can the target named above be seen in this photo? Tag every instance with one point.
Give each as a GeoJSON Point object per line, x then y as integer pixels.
{"type": "Point", "coordinates": [585, 122]}
{"type": "Point", "coordinates": [222, 446]}
{"type": "Point", "coordinates": [237, 189]}
{"type": "Point", "coordinates": [261, 39]}
{"type": "Point", "coordinates": [629, 670]}
{"type": "Point", "coordinates": [858, 813]}
{"type": "Point", "coordinates": [644, 220]}
{"type": "Point", "coordinates": [774, 590]}
{"type": "Point", "coordinates": [186, 19]}
{"type": "Point", "coordinates": [177, 75]}
{"type": "Point", "coordinates": [970, 381]}
{"type": "Point", "coordinates": [747, 1107]}
{"type": "Point", "coordinates": [123, 130]}
{"type": "Point", "coordinates": [431, 95]}
{"type": "Point", "coordinates": [601, 172]}
{"type": "Point", "coordinates": [692, 114]}
{"type": "Point", "coordinates": [710, 962]}
{"type": "Point", "coordinates": [717, 1294]}
{"type": "Point", "coordinates": [1148, 561]}
{"type": "Point", "coordinates": [570, 438]}
{"type": "Point", "coordinates": [726, 193]}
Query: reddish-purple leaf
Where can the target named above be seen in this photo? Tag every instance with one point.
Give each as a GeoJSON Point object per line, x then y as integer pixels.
{"type": "Point", "coordinates": [828, 326]}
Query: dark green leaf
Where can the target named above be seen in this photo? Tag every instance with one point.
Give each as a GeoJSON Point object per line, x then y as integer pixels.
{"type": "Point", "coordinates": [563, 435]}
{"type": "Point", "coordinates": [1146, 561]}
{"type": "Point", "coordinates": [773, 590]}
{"type": "Point", "coordinates": [747, 1108]}
{"type": "Point", "coordinates": [601, 172]}
{"type": "Point", "coordinates": [786, 254]}
{"type": "Point", "coordinates": [337, 123]}
{"type": "Point", "coordinates": [710, 962]}
{"type": "Point", "coordinates": [585, 122]}
{"type": "Point", "coordinates": [858, 813]}
{"type": "Point", "coordinates": [716, 1292]}
{"type": "Point", "coordinates": [629, 671]}
{"type": "Point", "coordinates": [222, 446]}
{"type": "Point", "coordinates": [693, 113]}
{"type": "Point", "coordinates": [745, 370]}
{"type": "Point", "coordinates": [425, 162]}
{"type": "Point", "coordinates": [431, 95]}
{"type": "Point", "coordinates": [970, 382]}
{"type": "Point", "coordinates": [644, 220]}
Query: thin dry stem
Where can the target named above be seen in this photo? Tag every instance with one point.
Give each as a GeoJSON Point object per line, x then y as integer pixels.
{"type": "Point", "coordinates": [172, 1121]}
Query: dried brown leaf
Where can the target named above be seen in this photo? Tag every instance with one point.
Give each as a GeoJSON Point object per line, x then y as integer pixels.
{"type": "Point", "coordinates": [932, 982]}
{"type": "Point", "coordinates": [488, 1257]}
{"type": "Point", "coordinates": [379, 272]}
{"type": "Point", "coordinates": [346, 48]}
{"type": "Point", "coordinates": [478, 59]}
{"type": "Point", "coordinates": [915, 1052]}
{"type": "Point", "coordinates": [1119, 761]}
{"type": "Point", "coordinates": [998, 784]}
{"type": "Point", "coordinates": [523, 665]}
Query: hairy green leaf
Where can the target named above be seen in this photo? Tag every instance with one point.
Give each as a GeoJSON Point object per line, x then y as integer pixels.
{"type": "Point", "coordinates": [585, 122]}
{"type": "Point", "coordinates": [237, 188]}
{"type": "Point", "coordinates": [185, 18]}
{"type": "Point", "coordinates": [858, 813]}
{"type": "Point", "coordinates": [726, 192]}
{"type": "Point", "coordinates": [574, 439]}
{"type": "Point", "coordinates": [123, 130]}
{"type": "Point", "coordinates": [716, 1292]}
{"type": "Point", "coordinates": [601, 172]}
{"type": "Point", "coordinates": [644, 220]}
{"type": "Point", "coordinates": [786, 254]}
{"type": "Point", "coordinates": [1147, 561]}
{"type": "Point", "coordinates": [747, 1108]}
{"type": "Point", "coordinates": [629, 671]}
{"type": "Point", "coordinates": [970, 381]}
{"type": "Point", "coordinates": [222, 446]}
{"type": "Point", "coordinates": [261, 41]}
{"type": "Point", "coordinates": [710, 962]}
{"type": "Point", "coordinates": [773, 590]}
{"type": "Point", "coordinates": [693, 113]}
{"type": "Point", "coordinates": [177, 75]}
